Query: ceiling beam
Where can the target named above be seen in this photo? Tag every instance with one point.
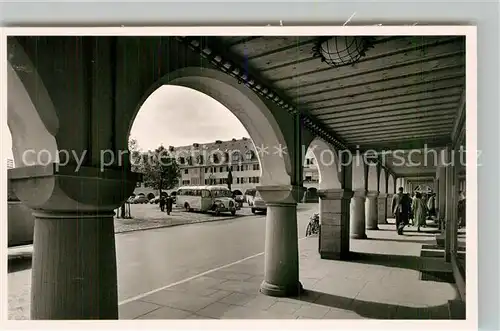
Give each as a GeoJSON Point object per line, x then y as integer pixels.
{"type": "Point", "coordinates": [391, 122]}
{"type": "Point", "coordinates": [405, 132]}
{"type": "Point", "coordinates": [403, 144]}
{"type": "Point", "coordinates": [212, 50]}
{"type": "Point", "coordinates": [391, 127]}
{"type": "Point", "coordinates": [460, 119]}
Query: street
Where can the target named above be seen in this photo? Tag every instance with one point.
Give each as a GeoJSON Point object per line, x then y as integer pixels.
{"type": "Point", "coordinates": [154, 258]}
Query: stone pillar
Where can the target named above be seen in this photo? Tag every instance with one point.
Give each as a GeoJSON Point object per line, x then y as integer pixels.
{"type": "Point", "coordinates": [74, 261]}
{"type": "Point", "coordinates": [449, 214]}
{"type": "Point", "coordinates": [281, 272]}
{"type": "Point", "coordinates": [357, 217]}
{"type": "Point", "coordinates": [334, 215]}
{"type": "Point", "coordinates": [441, 194]}
{"type": "Point", "coordinates": [382, 208]}
{"type": "Point", "coordinates": [371, 210]}
{"type": "Point", "coordinates": [389, 205]}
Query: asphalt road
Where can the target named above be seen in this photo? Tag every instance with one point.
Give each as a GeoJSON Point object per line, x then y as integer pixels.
{"type": "Point", "coordinates": [151, 259]}
{"type": "Point", "coordinates": [154, 258]}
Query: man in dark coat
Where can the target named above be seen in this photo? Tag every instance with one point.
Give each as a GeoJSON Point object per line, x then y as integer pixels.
{"type": "Point", "coordinates": [401, 204]}
{"type": "Point", "coordinates": [169, 202]}
{"type": "Point", "coordinates": [162, 203]}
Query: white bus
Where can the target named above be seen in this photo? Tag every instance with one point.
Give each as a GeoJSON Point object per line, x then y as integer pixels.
{"type": "Point", "coordinates": [206, 198]}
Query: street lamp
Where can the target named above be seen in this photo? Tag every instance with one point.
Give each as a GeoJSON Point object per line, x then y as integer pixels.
{"type": "Point", "coordinates": [338, 51]}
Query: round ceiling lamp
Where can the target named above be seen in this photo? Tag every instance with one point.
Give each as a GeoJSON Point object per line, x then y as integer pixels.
{"type": "Point", "coordinates": [339, 51]}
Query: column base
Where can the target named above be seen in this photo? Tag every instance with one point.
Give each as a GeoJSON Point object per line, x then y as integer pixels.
{"type": "Point", "coordinates": [359, 236]}
{"type": "Point", "coordinates": [281, 291]}
{"type": "Point", "coordinates": [374, 227]}
{"type": "Point", "coordinates": [339, 256]}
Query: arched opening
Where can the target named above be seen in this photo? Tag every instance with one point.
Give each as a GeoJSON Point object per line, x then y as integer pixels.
{"type": "Point", "coordinates": [322, 162]}
{"type": "Point", "coordinates": [248, 108]}
{"type": "Point", "coordinates": [198, 90]}
{"type": "Point", "coordinates": [30, 139]}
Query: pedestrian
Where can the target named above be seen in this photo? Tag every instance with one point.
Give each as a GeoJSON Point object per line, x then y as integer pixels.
{"type": "Point", "coordinates": [461, 210]}
{"type": "Point", "coordinates": [419, 211]}
{"type": "Point", "coordinates": [162, 203]}
{"type": "Point", "coordinates": [431, 206]}
{"type": "Point", "coordinates": [169, 203]}
{"type": "Point", "coordinates": [401, 209]}
{"type": "Point", "coordinates": [410, 216]}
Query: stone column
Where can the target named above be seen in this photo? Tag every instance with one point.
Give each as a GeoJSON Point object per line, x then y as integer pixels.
{"type": "Point", "coordinates": [357, 217]}
{"type": "Point", "coordinates": [382, 208]}
{"type": "Point", "coordinates": [334, 216]}
{"type": "Point", "coordinates": [74, 261]}
{"type": "Point", "coordinates": [371, 210]}
{"type": "Point", "coordinates": [281, 272]}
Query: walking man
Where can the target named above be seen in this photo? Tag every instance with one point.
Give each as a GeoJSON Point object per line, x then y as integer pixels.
{"type": "Point", "coordinates": [169, 203]}
{"type": "Point", "coordinates": [401, 209]}
{"type": "Point", "coordinates": [162, 203]}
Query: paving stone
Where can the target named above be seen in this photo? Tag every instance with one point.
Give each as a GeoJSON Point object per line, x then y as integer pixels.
{"type": "Point", "coordinates": [238, 286]}
{"type": "Point", "coordinates": [230, 275]}
{"type": "Point", "coordinates": [197, 317]}
{"type": "Point", "coordinates": [373, 310]}
{"type": "Point", "coordinates": [179, 300]}
{"type": "Point", "coordinates": [284, 308]}
{"type": "Point", "coordinates": [340, 287]}
{"type": "Point", "coordinates": [215, 310]}
{"type": "Point", "coordinates": [312, 311]}
{"type": "Point", "coordinates": [239, 299]}
{"type": "Point", "coordinates": [251, 313]}
{"type": "Point", "coordinates": [341, 314]}
{"type": "Point", "coordinates": [261, 302]}
{"type": "Point", "coordinates": [166, 313]}
{"type": "Point", "coordinates": [135, 309]}
{"type": "Point", "coordinates": [219, 294]}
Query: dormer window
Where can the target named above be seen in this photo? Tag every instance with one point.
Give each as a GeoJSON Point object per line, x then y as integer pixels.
{"type": "Point", "coordinates": [199, 159]}
{"type": "Point", "coordinates": [189, 160]}
{"type": "Point", "coordinates": [249, 155]}
{"type": "Point", "coordinates": [236, 156]}
{"type": "Point", "coordinates": [215, 158]}
{"type": "Point", "coordinates": [181, 160]}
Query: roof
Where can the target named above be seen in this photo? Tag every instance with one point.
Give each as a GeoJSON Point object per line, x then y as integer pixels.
{"type": "Point", "coordinates": [205, 187]}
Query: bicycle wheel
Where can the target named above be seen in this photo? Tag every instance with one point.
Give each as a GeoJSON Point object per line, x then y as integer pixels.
{"type": "Point", "coordinates": [308, 230]}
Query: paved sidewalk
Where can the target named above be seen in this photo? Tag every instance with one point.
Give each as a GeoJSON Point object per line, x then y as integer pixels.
{"type": "Point", "coordinates": [382, 282]}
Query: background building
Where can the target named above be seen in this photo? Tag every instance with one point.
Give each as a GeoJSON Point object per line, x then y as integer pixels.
{"type": "Point", "coordinates": [209, 164]}
{"type": "Point", "coordinates": [10, 163]}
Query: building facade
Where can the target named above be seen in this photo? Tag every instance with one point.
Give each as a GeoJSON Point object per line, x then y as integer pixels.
{"type": "Point", "coordinates": [209, 164]}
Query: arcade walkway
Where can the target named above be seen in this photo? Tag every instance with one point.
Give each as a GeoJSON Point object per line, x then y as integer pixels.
{"type": "Point", "coordinates": [383, 281]}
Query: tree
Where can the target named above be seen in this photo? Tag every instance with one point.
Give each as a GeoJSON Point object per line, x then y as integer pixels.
{"type": "Point", "coordinates": [160, 169]}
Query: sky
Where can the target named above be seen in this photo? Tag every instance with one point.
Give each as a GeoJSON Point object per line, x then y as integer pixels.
{"type": "Point", "coordinates": [179, 116]}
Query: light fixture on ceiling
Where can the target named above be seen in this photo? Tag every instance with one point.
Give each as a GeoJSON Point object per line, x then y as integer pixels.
{"type": "Point", "coordinates": [339, 51]}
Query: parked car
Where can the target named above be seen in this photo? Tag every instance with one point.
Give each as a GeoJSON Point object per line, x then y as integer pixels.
{"type": "Point", "coordinates": [140, 199]}
{"type": "Point", "coordinates": [258, 204]}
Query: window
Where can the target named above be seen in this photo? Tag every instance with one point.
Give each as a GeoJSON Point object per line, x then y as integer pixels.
{"type": "Point", "coordinates": [257, 180]}
{"type": "Point", "coordinates": [186, 171]}
{"type": "Point", "coordinates": [256, 166]}
{"type": "Point", "coordinates": [189, 160]}
{"type": "Point", "coordinates": [308, 178]}
{"type": "Point", "coordinates": [205, 193]}
{"type": "Point", "coordinates": [199, 158]}
{"type": "Point", "coordinates": [237, 180]}
{"type": "Point", "coordinates": [237, 168]}
{"type": "Point", "coordinates": [206, 170]}
{"type": "Point", "coordinates": [215, 158]}
{"type": "Point", "coordinates": [181, 160]}
{"type": "Point", "coordinates": [236, 157]}
{"type": "Point", "coordinates": [221, 169]}
{"type": "Point", "coordinates": [227, 168]}
{"type": "Point", "coordinates": [249, 155]}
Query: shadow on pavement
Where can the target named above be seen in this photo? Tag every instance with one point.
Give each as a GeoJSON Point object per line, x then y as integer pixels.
{"type": "Point", "coordinates": [19, 263]}
{"type": "Point", "coordinates": [375, 310]}
{"type": "Point", "coordinates": [416, 241]}
{"type": "Point", "coordinates": [395, 261]}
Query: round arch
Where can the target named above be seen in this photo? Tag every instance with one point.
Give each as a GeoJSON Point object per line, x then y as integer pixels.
{"type": "Point", "coordinates": [254, 115]}
{"type": "Point", "coordinates": [390, 184]}
{"type": "Point", "coordinates": [32, 142]}
{"type": "Point", "coordinates": [372, 179]}
{"type": "Point", "coordinates": [327, 163]}
{"type": "Point", "coordinates": [382, 182]}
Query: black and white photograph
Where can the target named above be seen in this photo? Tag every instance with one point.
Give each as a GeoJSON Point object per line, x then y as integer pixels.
{"type": "Point", "coordinates": [277, 174]}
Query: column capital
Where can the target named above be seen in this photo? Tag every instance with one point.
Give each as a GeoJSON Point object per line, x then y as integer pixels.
{"type": "Point", "coordinates": [359, 194]}
{"type": "Point", "coordinates": [335, 194]}
{"type": "Point", "coordinates": [281, 194]}
{"type": "Point", "coordinates": [68, 189]}
{"type": "Point", "coordinates": [372, 194]}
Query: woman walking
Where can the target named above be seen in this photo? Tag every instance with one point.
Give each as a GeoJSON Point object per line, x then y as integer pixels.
{"type": "Point", "coordinates": [419, 211]}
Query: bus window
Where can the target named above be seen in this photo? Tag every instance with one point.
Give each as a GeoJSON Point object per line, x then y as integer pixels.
{"type": "Point", "coordinates": [205, 193]}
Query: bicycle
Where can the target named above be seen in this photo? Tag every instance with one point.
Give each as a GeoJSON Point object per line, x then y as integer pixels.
{"type": "Point", "coordinates": [313, 226]}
